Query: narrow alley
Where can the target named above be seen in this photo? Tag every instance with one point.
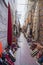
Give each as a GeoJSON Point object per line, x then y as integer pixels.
{"type": "Point", "coordinates": [23, 56]}
{"type": "Point", "coordinates": [21, 32]}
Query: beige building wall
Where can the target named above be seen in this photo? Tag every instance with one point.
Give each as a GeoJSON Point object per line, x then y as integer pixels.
{"type": "Point", "coordinates": [36, 21]}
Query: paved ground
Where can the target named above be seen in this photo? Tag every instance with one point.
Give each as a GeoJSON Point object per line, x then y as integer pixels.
{"type": "Point", "coordinates": [23, 56]}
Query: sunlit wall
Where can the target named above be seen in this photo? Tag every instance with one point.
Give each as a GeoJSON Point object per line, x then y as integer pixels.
{"type": "Point", "coordinates": [23, 7]}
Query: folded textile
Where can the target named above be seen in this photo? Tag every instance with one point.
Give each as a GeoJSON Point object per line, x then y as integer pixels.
{"type": "Point", "coordinates": [9, 60]}
{"type": "Point", "coordinates": [34, 52]}
{"type": "Point", "coordinates": [40, 54]}
{"type": "Point", "coordinates": [0, 61]}
{"type": "Point", "coordinates": [3, 62]}
{"type": "Point", "coordinates": [11, 52]}
{"type": "Point", "coordinates": [40, 60]}
{"type": "Point", "coordinates": [14, 46]}
{"type": "Point", "coordinates": [12, 58]}
{"type": "Point", "coordinates": [39, 46]}
{"type": "Point", "coordinates": [33, 46]}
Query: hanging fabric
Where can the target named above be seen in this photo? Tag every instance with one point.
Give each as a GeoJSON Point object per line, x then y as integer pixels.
{"type": "Point", "coordinates": [36, 22]}
{"type": "Point", "coordinates": [1, 49]}
{"type": "Point", "coordinates": [9, 38]}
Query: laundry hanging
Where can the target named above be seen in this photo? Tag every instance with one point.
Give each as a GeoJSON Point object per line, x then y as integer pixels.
{"type": "Point", "coordinates": [9, 38]}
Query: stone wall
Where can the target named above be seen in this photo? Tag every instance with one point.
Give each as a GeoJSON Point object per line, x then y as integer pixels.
{"type": "Point", "coordinates": [3, 24]}
{"type": "Point", "coordinates": [41, 21]}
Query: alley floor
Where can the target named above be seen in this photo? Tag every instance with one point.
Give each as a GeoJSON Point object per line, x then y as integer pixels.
{"type": "Point", "coordinates": [23, 56]}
